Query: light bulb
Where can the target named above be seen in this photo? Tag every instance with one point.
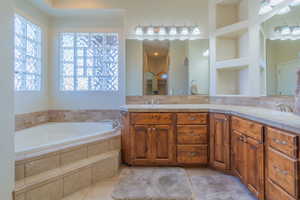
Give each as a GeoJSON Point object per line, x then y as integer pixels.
{"type": "Point", "coordinates": [265, 8]}
{"type": "Point", "coordinates": [173, 31]}
{"type": "Point", "coordinates": [139, 31]}
{"type": "Point", "coordinates": [284, 10]}
{"type": "Point", "coordinates": [184, 31]}
{"type": "Point", "coordinates": [295, 3]}
{"type": "Point", "coordinates": [275, 2]}
{"type": "Point", "coordinates": [150, 30]}
{"type": "Point", "coordinates": [285, 30]}
{"type": "Point", "coordinates": [296, 30]}
{"type": "Point", "coordinates": [196, 31]}
{"type": "Point", "coordinates": [162, 31]}
{"type": "Point", "coordinates": [206, 53]}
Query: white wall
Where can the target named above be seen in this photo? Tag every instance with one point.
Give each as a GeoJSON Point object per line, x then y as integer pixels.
{"type": "Point", "coordinates": [32, 101]}
{"type": "Point", "coordinates": [7, 99]}
{"type": "Point", "coordinates": [134, 68]}
{"type": "Point", "coordinates": [144, 12]}
{"type": "Point", "coordinates": [85, 99]}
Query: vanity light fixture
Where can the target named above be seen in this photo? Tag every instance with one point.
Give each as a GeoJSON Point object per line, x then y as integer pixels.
{"type": "Point", "coordinates": [265, 7]}
{"type": "Point", "coordinates": [206, 53]}
{"type": "Point", "coordinates": [275, 2]}
{"type": "Point", "coordinates": [139, 31]}
{"type": "Point", "coordinates": [284, 10]}
{"type": "Point", "coordinates": [196, 31]}
{"type": "Point", "coordinates": [296, 30]}
{"type": "Point", "coordinates": [162, 31]}
{"type": "Point", "coordinates": [295, 3]}
{"type": "Point", "coordinates": [286, 33]}
{"type": "Point", "coordinates": [167, 32]}
{"type": "Point", "coordinates": [173, 31]}
{"type": "Point", "coordinates": [285, 30]}
{"type": "Point", "coordinates": [184, 31]}
{"type": "Point", "coordinates": [150, 30]}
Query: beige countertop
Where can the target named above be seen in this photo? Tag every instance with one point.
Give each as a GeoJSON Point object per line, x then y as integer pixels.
{"type": "Point", "coordinates": [282, 120]}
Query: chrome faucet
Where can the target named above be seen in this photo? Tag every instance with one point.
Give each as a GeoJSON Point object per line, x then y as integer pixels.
{"type": "Point", "coordinates": [285, 107]}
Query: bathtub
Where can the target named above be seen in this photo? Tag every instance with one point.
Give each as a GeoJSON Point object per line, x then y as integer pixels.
{"type": "Point", "coordinates": [55, 136]}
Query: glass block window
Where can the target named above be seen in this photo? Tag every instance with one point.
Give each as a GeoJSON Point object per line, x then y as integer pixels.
{"type": "Point", "coordinates": [89, 61]}
{"type": "Point", "coordinates": [28, 47]}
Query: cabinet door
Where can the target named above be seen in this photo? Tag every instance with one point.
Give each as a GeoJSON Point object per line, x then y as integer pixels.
{"type": "Point", "coordinates": [255, 167]}
{"type": "Point", "coordinates": [141, 144]}
{"type": "Point", "coordinates": [238, 155]}
{"type": "Point", "coordinates": [219, 141]}
{"type": "Point", "coordinates": [163, 144]}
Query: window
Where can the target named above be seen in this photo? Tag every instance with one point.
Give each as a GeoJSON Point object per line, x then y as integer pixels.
{"type": "Point", "coordinates": [89, 61]}
{"type": "Point", "coordinates": [27, 55]}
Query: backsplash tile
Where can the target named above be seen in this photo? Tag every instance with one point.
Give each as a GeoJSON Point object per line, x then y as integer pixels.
{"type": "Point", "coordinates": [23, 121]}
{"type": "Point", "coordinates": [28, 120]}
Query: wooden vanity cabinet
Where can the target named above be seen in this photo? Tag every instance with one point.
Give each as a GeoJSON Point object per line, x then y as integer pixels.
{"type": "Point", "coordinates": [282, 164]}
{"type": "Point", "coordinates": [192, 138]}
{"type": "Point", "coordinates": [247, 155]}
{"type": "Point", "coordinates": [152, 139]}
{"type": "Point", "coordinates": [219, 141]}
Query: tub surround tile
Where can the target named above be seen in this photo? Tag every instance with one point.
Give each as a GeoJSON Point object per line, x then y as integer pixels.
{"type": "Point", "coordinates": [20, 197]}
{"type": "Point", "coordinates": [40, 165]}
{"type": "Point", "coordinates": [19, 172]}
{"type": "Point", "coordinates": [50, 191]}
{"type": "Point", "coordinates": [104, 169]}
{"type": "Point", "coordinates": [82, 178]}
{"type": "Point", "coordinates": [82, 115]}
{"type": "Point", "coordinates": [73, 177]}
{"type": "Point", "coordinates": [97, 148]}
{"type": "Point", "coordinates": [73, 155]}
{"type": "Point", "coordinates": [28, 120]}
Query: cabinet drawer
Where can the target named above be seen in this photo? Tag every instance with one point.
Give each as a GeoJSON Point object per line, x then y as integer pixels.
{"type": "Point", "coordinates": [247, 127]}
{"type": "Point", "coordinates": [273, 192]}
{"type": "Point", "coordinates": [151, 118]}
{"type": "Point", "coordinates": [192, 154]}
{"type": "Point", "coordinates": [192, 118]}
{"type": "Point", "coordinates": [192, 134]}
{"type": "Point", "coordinates": [282, 141]}
{"type": "Point", "coordinates": [282, 170]}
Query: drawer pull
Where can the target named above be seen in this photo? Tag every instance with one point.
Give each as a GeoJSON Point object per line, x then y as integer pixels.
{"type": "Point", "coordinates": [192, 118]}
{"type": "Point", "coordinates": [284, 172]}
{"type": "Point", "coordinates": [192, 153]}
{"type": "Point", "coordinates": [279, 141]}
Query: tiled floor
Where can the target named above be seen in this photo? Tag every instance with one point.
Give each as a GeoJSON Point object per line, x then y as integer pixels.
{"type": "Point", "coordinates": [103, 189]}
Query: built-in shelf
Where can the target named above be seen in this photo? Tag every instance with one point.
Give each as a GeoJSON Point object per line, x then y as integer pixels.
{"type": "Point", "coordinates": [232, 63]}
{"type": "Point", "coordinates": [233, 30]}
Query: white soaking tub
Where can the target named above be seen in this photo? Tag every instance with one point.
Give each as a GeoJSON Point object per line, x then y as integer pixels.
{"type": "Point", "coordinates": [54, 136]}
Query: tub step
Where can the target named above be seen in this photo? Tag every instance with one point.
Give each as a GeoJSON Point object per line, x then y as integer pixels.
{"type": "Point", "coordinates": [42, 162]}
{"type": "Point", "coordinates": [65, 180]}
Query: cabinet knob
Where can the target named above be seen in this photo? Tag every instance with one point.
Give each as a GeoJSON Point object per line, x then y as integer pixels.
{"type": "Point", "coordinates": [277, 141]}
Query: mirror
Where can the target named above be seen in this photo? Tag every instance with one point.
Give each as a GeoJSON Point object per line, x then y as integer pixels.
{"type": "Point", "coordinates": [280, 47]}
{"type": "Point", "coordinates": [168, 67]}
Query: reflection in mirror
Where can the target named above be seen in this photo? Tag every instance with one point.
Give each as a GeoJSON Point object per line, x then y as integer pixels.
{"type": "Point", "coordinates": [282, 52]}
{"type": "Point", "coordinates": [166, 67]}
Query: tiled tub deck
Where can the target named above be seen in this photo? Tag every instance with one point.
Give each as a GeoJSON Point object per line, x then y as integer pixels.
{"type": "Point", "coordinates": [64, 166]}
